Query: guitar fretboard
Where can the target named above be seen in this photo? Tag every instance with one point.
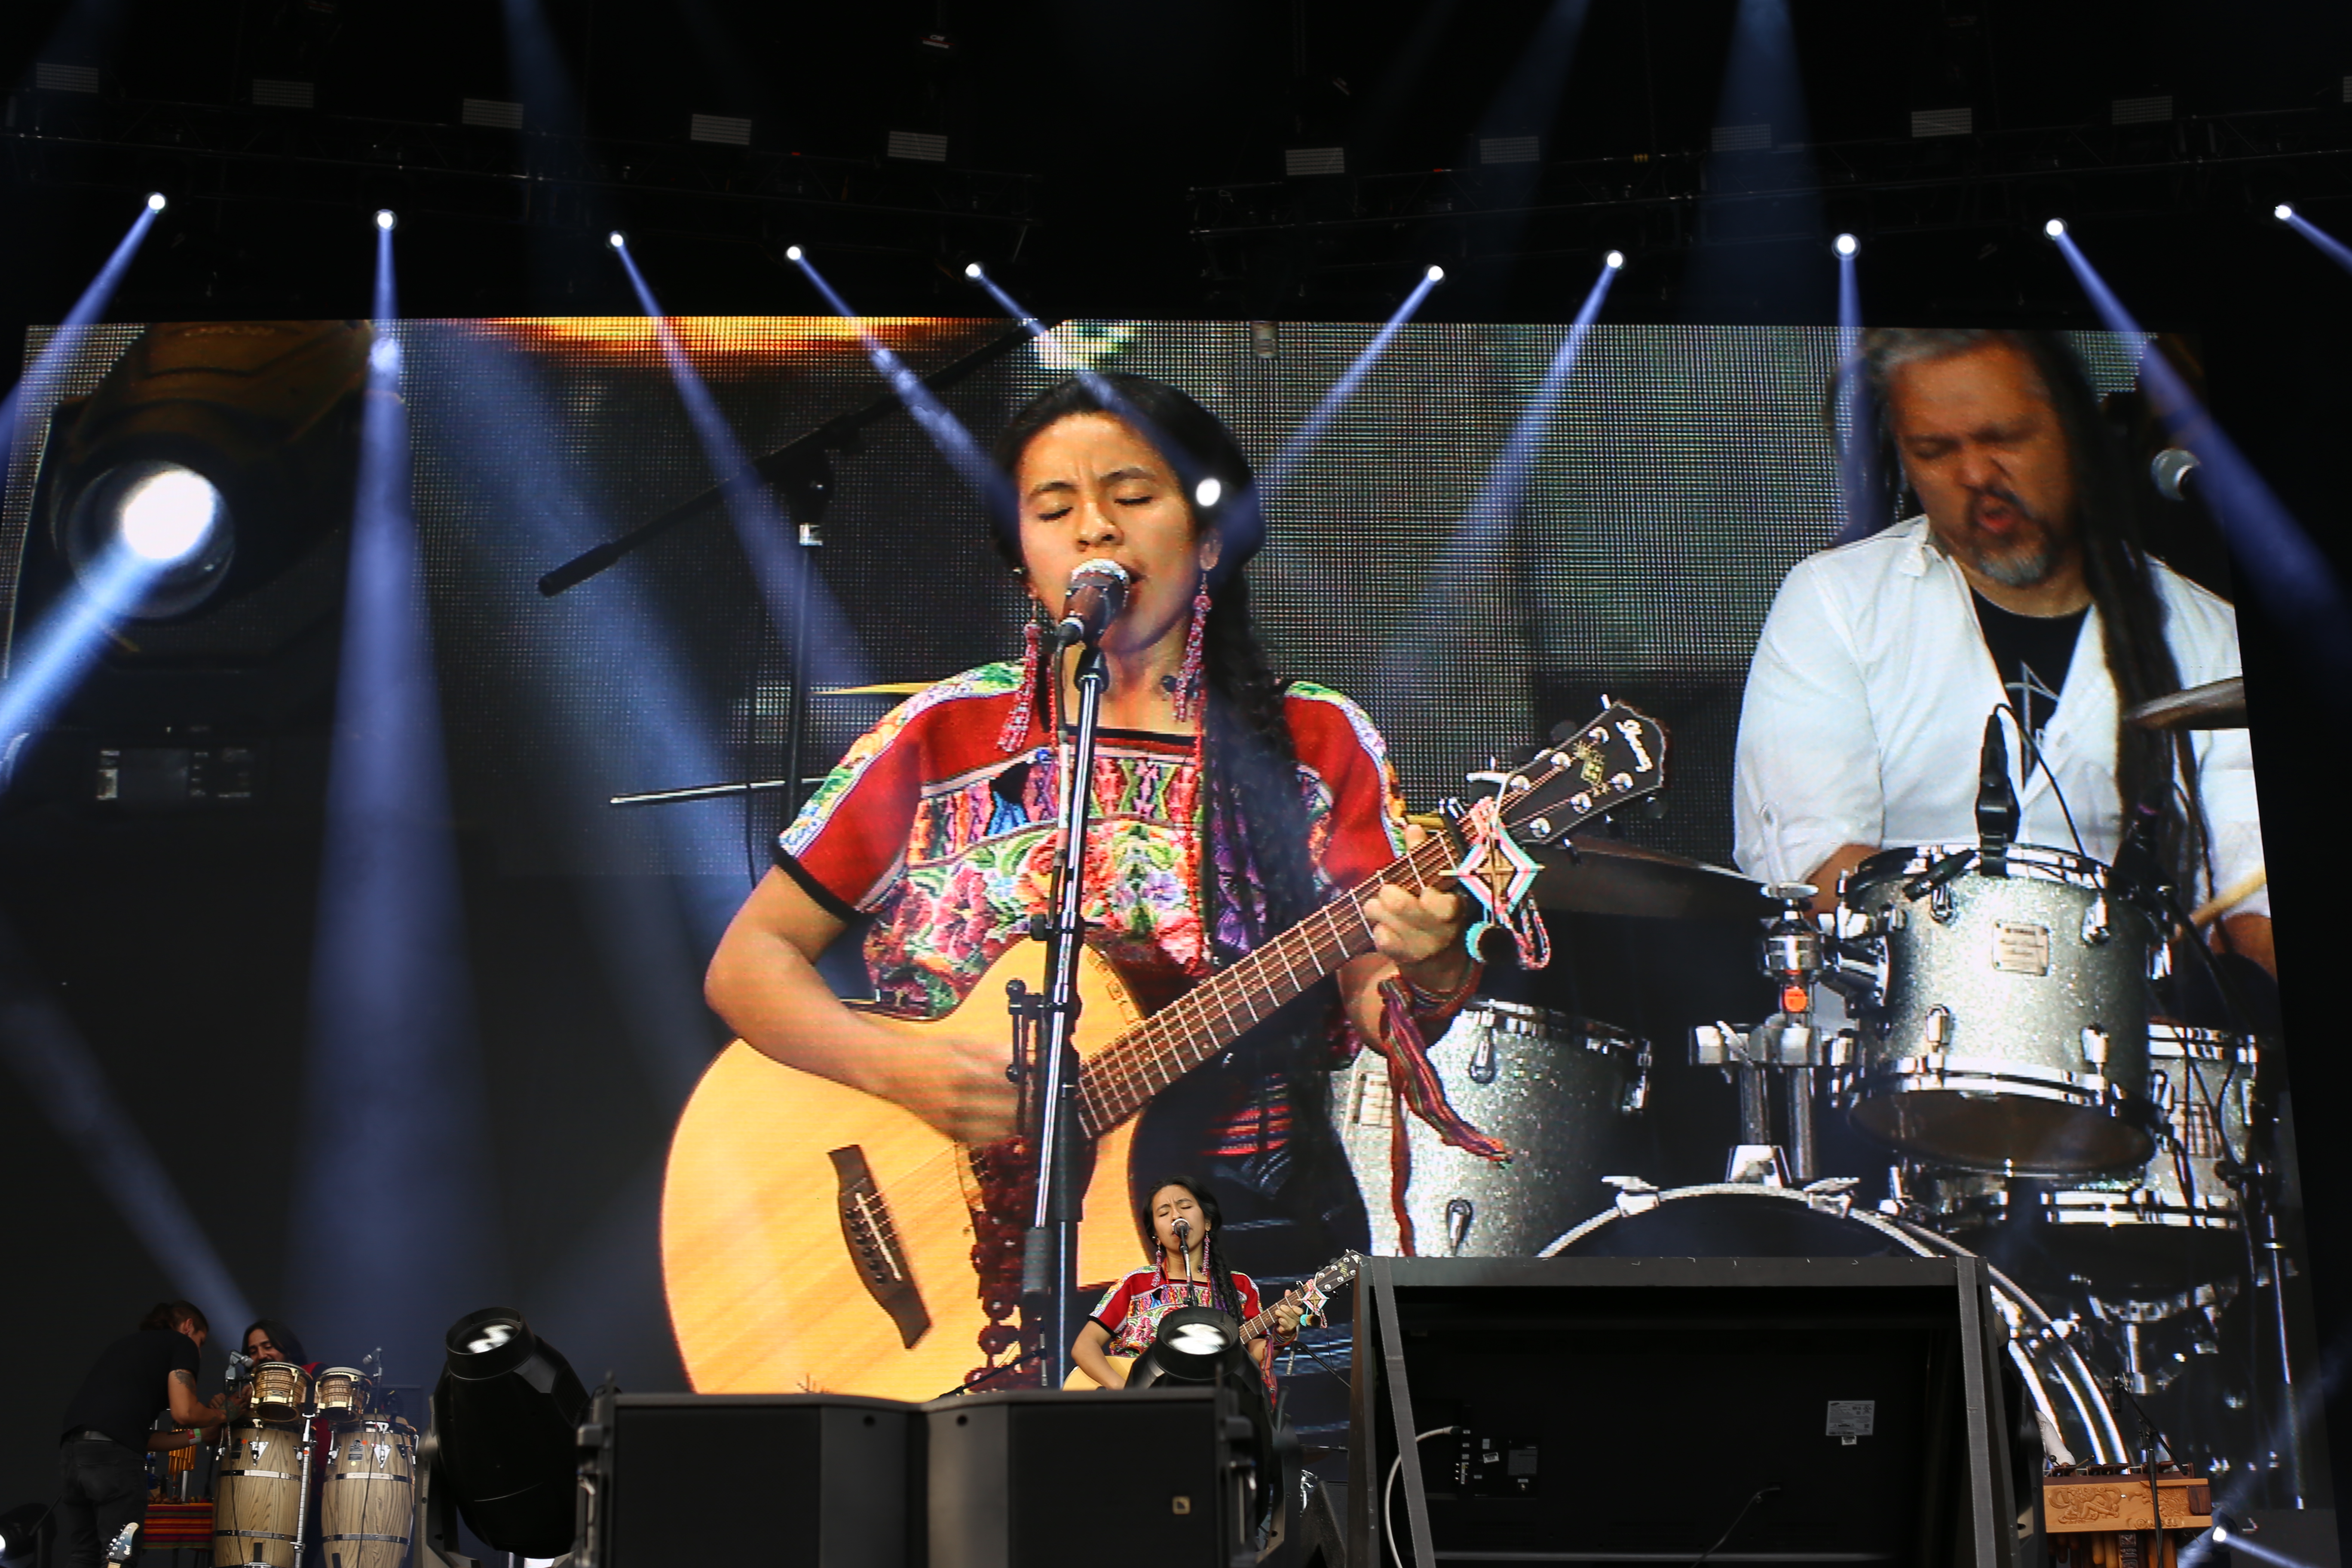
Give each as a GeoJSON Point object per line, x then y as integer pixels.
{"type": "Point", "coordinates": [1179, 1037]}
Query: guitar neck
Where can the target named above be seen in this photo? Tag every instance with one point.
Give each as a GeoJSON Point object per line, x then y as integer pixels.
{"type": "Point", "coordinates": [1190, 1031]}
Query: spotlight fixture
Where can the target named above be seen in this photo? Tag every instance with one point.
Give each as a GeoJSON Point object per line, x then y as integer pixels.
{"type": "Point", "coordinates": [617, 240]}
{"type": "Point", "coordinates": [972, 270]}
{"type": "Point", "coordinates": [1845, 244]}
{"type": "Point", "coordinates": [1207, 491]}
{"type": "Point", "coordinates": [169, 516]}
{"type": "Point", "coordinates": [2282, 212]}
{"type": "Point", "coordinates": [792, 253]}
{"type": "Point", "coordinates": [2055, 229]}
{"type": "Point", "coordinates": [505, 1413]}
{"type": "Point", "coordinates": [1436, 274]}
{"type": "Point", "coordinates": [1614, 261]}
{"type": "Point", "coordinates": [385, 219]}
{"type": "Point", "coordinates": [154, 201]}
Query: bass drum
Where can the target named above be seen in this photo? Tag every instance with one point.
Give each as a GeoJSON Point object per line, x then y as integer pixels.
{"type": "Point", "coordinates": [1749, 1221]}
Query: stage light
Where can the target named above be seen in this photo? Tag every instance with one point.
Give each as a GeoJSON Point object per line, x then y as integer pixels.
{"type": "Point", "coordinates": [617, 240]}
{"type": "Point", "coordinates": [2055, 229]}
{"type": "Point", "coordinates": [20, 1534]}
{"type": "Point", "coordinates": [506, 1411]}
{"type": "Point", "coordinates": [154, 201]}
{"type": "Point", "coordinates": [170, 518]}
{"type": "Point", "coordinates": [2284, 213]}
{"type": "Point", "coordinates": [1614, 261]}
{"type": "Point", "coordinates": [1845, 244]}
{"type": "Point", "coordinates": [385, 219]}
{"type": "Point", "coordinates": [1207, 492]}
{"type": "Point", "coordinates": [792, 253]}
{"type": "Point", "coordinates": [972, 270]}
{"type": "Point", "coordinates": [1436, 274]}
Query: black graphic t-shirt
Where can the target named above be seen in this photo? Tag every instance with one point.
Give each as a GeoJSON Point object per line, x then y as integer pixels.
{"type": "Point", "coordinates": [2032, 653]}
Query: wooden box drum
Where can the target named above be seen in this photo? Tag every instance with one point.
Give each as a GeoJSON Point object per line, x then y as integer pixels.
{"type": "Point", "coordinates": [343, 1393]}
{"type": "Point", "coordinates": [2011, 1034]}
{"type": "Point", "coordinates": [280, 1389]}
{"type": "Point", "coordinates": [257, 1495]}
{"type": "Point", "coordinates": [367, 1504]}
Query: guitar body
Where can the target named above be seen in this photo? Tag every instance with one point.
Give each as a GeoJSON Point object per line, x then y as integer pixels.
{"type": "Point", "coordinates": [817, 1239]}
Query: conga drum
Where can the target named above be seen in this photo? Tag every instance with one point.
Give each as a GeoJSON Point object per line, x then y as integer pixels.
{"type": "Point", "coordinates": [257, 1495]}
{"type": "Point", "coordinates": [369, 1497]}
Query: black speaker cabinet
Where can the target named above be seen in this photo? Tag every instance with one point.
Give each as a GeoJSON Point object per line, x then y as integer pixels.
{"type": "Point", "coordinates": [1147, 1480]}
{"type": "Point", "coordinates": [752, 1481]}
{"type": "Point", "coordinates": [1624, 1410]}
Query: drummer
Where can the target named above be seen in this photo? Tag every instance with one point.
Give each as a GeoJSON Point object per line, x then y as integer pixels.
{"type": "Point", "coordinates": [2021, 584]}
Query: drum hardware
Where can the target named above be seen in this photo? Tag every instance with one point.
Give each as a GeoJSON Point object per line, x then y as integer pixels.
{"type": "Point", "coordinates": [2130, 1325]}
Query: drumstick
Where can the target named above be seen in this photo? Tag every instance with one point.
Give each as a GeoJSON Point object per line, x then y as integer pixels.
{"type": "Point", "coordinates": [2237, 892]}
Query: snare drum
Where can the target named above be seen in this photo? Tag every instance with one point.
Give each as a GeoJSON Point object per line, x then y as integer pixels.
{"type": "Point", "coordinates": [344, 1393]}
{"type": "Point", "coordinates": [1555, 1089]}
{"type": "Point", "coordinates": [367, 1500]}
{"type": "Point", "coordinates": [257, 1494]}
{"type": "Point", "coordinates": [280, 1389]}
{"type": "Point", "coordinates": [2010, 1033]}
{"type": "Point", "coordinates": [2173, 1222]}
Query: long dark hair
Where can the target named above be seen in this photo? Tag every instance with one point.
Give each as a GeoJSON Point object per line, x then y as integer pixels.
{"type": "Point", "coordinates": [1251, 766]}
{"type": "Point", "coordinates": [289, 1343]}
{"type": "Point", "coordinates": [2155, 771]}
{"type": "Point", "coordinates": [1224, 1294]}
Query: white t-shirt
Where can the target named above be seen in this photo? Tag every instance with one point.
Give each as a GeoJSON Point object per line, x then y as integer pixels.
{"type": "Point", "coordinates": [1866, 709]}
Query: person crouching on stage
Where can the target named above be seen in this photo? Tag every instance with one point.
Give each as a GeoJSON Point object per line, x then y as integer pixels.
{"type": "Point", "coordinates": [102, 1464]}
{"type": "Point", "coordinates": [1229, 804]}
{"type": "Point", "coordinates": [1188, 1269]}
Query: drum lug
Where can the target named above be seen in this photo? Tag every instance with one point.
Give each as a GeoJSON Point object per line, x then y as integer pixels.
{"type": "Point", "coordinates": [1939, 903]}
{"type": "Point", "coordinates": [1634, 1196]}
{"type": "Point", "coordinates": [1482, 1058]}
{"type": "Point", "coordinates": [1832, 1195]}
{"type": "Point", "coordinates": [2096, 930]}
{"type": "Point", "coordinates": [1940, 1027]}
{"type": "Point", "coordinates": [2094, 1045]}
{"type": "Point", "coordinates": [1459, 1213]}
{"type": "Point", "coordinates": [1636, 1097]}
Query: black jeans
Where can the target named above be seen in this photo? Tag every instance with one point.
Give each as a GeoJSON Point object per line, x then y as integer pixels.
{"type": "Point", "coordinates": [101, 1486]}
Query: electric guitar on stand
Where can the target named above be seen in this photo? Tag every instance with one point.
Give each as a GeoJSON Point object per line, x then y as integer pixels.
{"type": "Point", "coordinates": [902, 1285]}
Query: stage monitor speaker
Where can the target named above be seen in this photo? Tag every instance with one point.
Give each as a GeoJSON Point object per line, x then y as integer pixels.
{"type": "Point", "coordinates": [752, 1481]}
{"type": "Point", "coordinates": [1149, 1478]}
{"type": "Point", "coordinates": [1622, 1410]}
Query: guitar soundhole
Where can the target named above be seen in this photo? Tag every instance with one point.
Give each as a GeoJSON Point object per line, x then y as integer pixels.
{"type": "Point", "coordinates": [872, 1238]}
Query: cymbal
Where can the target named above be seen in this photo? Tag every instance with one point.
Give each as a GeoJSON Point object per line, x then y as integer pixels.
{"type": "Point", "coordinates": [2220, 705]}
{"type": "Point", "coordinates": [1609, 876]}
{"type": "Point", "coordinates": [879, 689]}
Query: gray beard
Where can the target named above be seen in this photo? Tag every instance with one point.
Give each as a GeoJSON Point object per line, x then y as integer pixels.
{"type": "Point", "coordinates": [2020, 569]}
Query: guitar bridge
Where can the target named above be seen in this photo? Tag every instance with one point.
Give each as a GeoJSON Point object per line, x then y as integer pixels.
{"type": "Point", "coordinates": [872, 1237]}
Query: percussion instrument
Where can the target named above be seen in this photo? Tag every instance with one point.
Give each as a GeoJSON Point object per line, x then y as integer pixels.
{"type": "Point", "coordinates": [343, 1393]}
{"type": "Point", "coordinates": [1744, 1220]}
{"type": "Point", "coordinates": [2173, 1221]}
{"type": "Point", "coordinates": [2010, 1031]}
{"type": "Point", "coordinates": [1553, 1088]}
{"type": "Point", "coordinates": [2216, 705]}
{"type": "Point", "coordinates": [279, 1390]}
{"type": "Point", "coordinates": [257, 1494]}
{"type": "Point", "coordinates": [367, 1502]}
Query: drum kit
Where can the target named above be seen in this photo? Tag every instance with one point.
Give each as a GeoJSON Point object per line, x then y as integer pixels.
{"type": "Point", "coordinates": [337, 1426]}
{"type": "Point", "coordinates": [1981, 1016]}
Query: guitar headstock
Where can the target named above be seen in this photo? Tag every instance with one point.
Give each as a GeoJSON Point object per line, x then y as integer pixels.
{"type": "Point", "coordinates": [1316, 1293]}
{"type": "Point", "coordinates": [1594, 768]}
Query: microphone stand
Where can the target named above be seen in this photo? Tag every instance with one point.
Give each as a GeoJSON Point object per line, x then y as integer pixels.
{"type": "Point", "coordinates": [1049, 1251]}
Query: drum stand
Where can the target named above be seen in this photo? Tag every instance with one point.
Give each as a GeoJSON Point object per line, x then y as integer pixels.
{"type": "Point", "coordinates": [1789, 1044]}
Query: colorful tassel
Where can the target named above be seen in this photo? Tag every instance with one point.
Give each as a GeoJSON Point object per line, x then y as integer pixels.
{"type": "Point", "coordinates": [1016, 734]}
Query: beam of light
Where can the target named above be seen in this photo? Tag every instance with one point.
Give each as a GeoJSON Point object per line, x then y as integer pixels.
{"type": "Point", "coordinates": [2285, 569]}
{"type": "Point", "coordinates": [1286, 462]}
{"type": "Point", "coordinates": [759, 529]}
{"type": "Point", "coordinates": [58, 352]}
{"type": "Point", "coordinates": [946, 431]}
{"type": "Point", "coordinates": [61, 1075]}
{"type": "Point", "coordinates": [397, 1200]}
{"type": "Point", "coordinates": [1855, 429]}
{"type": "Point", "coordinates": [61, 649]}
{"type": "Point", "coordinates": [1490, 518]}
{"type": "Point", "coordinates": [2335, 249]}
{"type": "Point", "coordinates": [2241, 1547]}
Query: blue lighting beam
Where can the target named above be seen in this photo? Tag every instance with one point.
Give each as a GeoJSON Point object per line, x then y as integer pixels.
{"type": "Point", "coordinates": [2335, 249]}
{"type": "Point", "coordinates": [2286, 569]}
{"type": "Point", "coordinates": [1857, 429]}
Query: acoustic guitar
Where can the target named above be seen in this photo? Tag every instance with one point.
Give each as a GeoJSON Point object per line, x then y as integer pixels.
{"type": "Point", "coordinates": [817, 1239]}
{"type": "Point", "coordinates": [1311, 1295]}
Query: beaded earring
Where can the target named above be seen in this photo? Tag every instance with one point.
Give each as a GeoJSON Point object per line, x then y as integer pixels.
{"type": "Point", "coordinates": [1189, 677]}
{"type": "Point", "coordinates": [1016, 734]}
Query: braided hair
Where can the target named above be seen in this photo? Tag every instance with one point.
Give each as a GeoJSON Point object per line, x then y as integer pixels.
{"type": "Point", "coordinates": [2155, 771]}
{"type": "Point", "coordinates": [1223, 1295]}
{"type": "Point", "coordinates": [1249, 787]}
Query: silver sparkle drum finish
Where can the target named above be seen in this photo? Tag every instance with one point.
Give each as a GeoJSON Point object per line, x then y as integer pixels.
{"type": "Point", "coordinates": [1749, 1221]}
{"type": "Point", "coordinates": [2011, 1032]}
{"type": "Point", "coordinates": [1555, 1089]}
{"type": "Point", "coordinates": [2173, 1222]}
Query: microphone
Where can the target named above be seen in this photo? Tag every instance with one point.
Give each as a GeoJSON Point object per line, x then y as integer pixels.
{"type": "Point", "coordinates": [1996, 799]}
{"type": "Point", "coordinates": [1184, 1236]}
{"type": "Point", "coordinates": [2170, 469]}
{"type": "Point", "coordinates": [1098, 594]}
